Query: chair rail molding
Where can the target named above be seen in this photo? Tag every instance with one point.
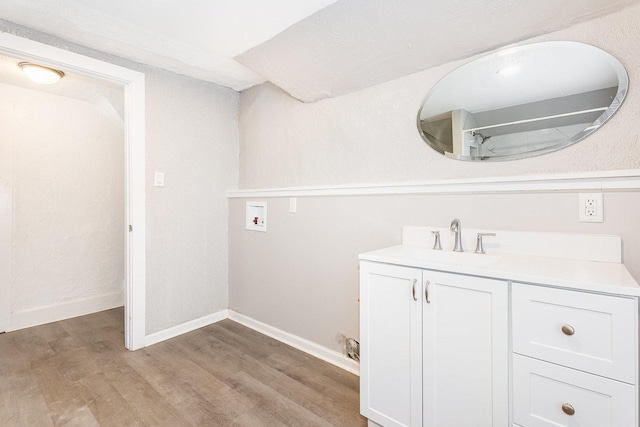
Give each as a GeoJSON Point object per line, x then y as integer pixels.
{"type": "Point", "coordinates": [618, 180]}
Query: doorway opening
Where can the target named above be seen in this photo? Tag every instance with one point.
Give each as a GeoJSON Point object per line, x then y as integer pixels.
{"type": "Point", "coordinates": [134, 167]}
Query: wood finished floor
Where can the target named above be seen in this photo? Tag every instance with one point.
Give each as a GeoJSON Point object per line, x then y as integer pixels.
{"type": "Point", "coordinates": [77, 373]}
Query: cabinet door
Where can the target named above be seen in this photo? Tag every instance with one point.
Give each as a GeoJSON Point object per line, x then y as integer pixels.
{"type": "Point", "coordinates": [465, 351]}
{"type": "Point", "coordinates": [390, 344]}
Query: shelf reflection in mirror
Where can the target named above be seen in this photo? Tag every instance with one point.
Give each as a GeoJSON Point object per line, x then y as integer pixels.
{"type": "Point", "coordinates": [523, 101]}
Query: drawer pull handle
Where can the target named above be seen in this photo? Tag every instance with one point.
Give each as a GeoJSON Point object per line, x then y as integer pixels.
{"type": "Point", "coordinates": [413, 290]}
{"type": "Point", "coordinates": [568, 330]}
{"type": "Point", "coordinates": [426, 291]}
{"type": "Point", "coordinates": [568, 409]}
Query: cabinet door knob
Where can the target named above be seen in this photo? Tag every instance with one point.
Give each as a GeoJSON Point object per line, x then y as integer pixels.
{"type": "Point", "coordinates": [413, 290]}
{"type": "Point", "coordinates": [568, 330]}
{"type": "Point", "coordinates": [568, 409]}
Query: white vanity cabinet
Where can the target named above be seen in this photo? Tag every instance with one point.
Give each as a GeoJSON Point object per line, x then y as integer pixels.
{"type": "Point", "coordinates": [524, 336]}
{"type": "Point", "coordinates": [434, 348]}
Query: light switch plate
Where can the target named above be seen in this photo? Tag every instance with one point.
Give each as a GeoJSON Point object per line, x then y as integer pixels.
{"type": "Point", "coordinates": [158, 179]}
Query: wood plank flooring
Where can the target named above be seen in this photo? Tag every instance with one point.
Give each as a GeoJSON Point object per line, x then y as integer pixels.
{"type": "Point", "coordinates": [77, 373]}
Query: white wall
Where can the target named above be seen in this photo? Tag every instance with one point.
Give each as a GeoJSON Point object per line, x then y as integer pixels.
{"type": "Point", "coordinates": [66, 175]}
{"type": "Point", "coordinates": [191, 135]}
{"type": "Point", "coordinates": [371, 135]}
{"type": "Point", "coordinates": [301, 276]}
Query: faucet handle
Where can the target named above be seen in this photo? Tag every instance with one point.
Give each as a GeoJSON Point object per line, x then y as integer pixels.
{"type": "Point", "coordinates": [436, 244]}
{"type": "Point", "coordinates": [479, 247]}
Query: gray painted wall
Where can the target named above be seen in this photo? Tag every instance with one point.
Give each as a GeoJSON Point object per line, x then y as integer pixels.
{"type": "Point", "coordinates": [192, 138]}
{"type": "Point", "coordinates": [301, 276]}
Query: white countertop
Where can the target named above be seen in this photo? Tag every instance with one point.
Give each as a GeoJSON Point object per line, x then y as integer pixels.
{"type": "Point", "coordinates": [595, 276]}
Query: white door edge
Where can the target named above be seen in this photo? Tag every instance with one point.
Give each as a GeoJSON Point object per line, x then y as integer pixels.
{"type": "Point", "coordinates": [6, 235]}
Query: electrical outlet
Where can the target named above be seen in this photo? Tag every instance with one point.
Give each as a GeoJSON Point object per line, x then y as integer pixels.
{"type": "Point", "coordinates": [590, 207]}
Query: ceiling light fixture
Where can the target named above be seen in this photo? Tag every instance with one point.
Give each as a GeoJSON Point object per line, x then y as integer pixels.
{"type": "Point", "coordinates": [41, 74]}
{"type": "Point", "coordinates": [508, 71]}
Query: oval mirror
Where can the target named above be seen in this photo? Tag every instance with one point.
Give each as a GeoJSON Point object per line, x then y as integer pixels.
{"type": "Point", "coordinates": [522, 102]}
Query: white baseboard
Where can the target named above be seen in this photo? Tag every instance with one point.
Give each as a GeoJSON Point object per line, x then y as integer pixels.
{"type": "Point", "coordinates": [316, 350]}
{"type": "Point", "coordinates": [183, 328]}
{"type": "Point", "coordinates": [302, 344]}
{"type": "Point", "coordinates": [66, 310]}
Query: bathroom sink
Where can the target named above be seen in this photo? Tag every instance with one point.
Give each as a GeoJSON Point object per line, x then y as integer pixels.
{"type": "Point", "coordinates": [469, 259]}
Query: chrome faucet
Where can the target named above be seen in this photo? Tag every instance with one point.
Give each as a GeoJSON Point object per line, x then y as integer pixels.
{"type": "Point", "coordinates": [455, 227]}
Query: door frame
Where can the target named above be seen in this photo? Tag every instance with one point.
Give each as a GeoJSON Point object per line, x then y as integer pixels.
{"type": "Point", "coordinates": [6, 228]}
{"type": "Point", "coordinates": [133, 83]}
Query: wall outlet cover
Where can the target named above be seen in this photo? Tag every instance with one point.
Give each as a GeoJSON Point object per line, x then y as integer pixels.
{"type": "Point", "coordinates": [590, 207]}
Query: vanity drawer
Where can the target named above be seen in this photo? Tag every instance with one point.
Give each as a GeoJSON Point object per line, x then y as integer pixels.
{"type": "Point", "coordinates": [545, 394]}
{"type": "Point", "coordinates": [590, 332]}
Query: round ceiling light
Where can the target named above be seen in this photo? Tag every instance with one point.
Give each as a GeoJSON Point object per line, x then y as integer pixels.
{"type": "Point", "coordinates": [41, 74]}
{"type": "Point", "coordinates": [508, 71]}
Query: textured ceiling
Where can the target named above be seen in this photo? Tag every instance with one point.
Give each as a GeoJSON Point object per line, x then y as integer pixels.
{"type": "Point", "coordinates": [312, 49]}
{"type": "Point", "coordinates": [355, 44]}
{"type": "Point", "coordinates": [197, 38]}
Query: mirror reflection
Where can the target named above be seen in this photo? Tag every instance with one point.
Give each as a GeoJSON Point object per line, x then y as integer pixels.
{"type": "Point", "coordinates": [523, 101]}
